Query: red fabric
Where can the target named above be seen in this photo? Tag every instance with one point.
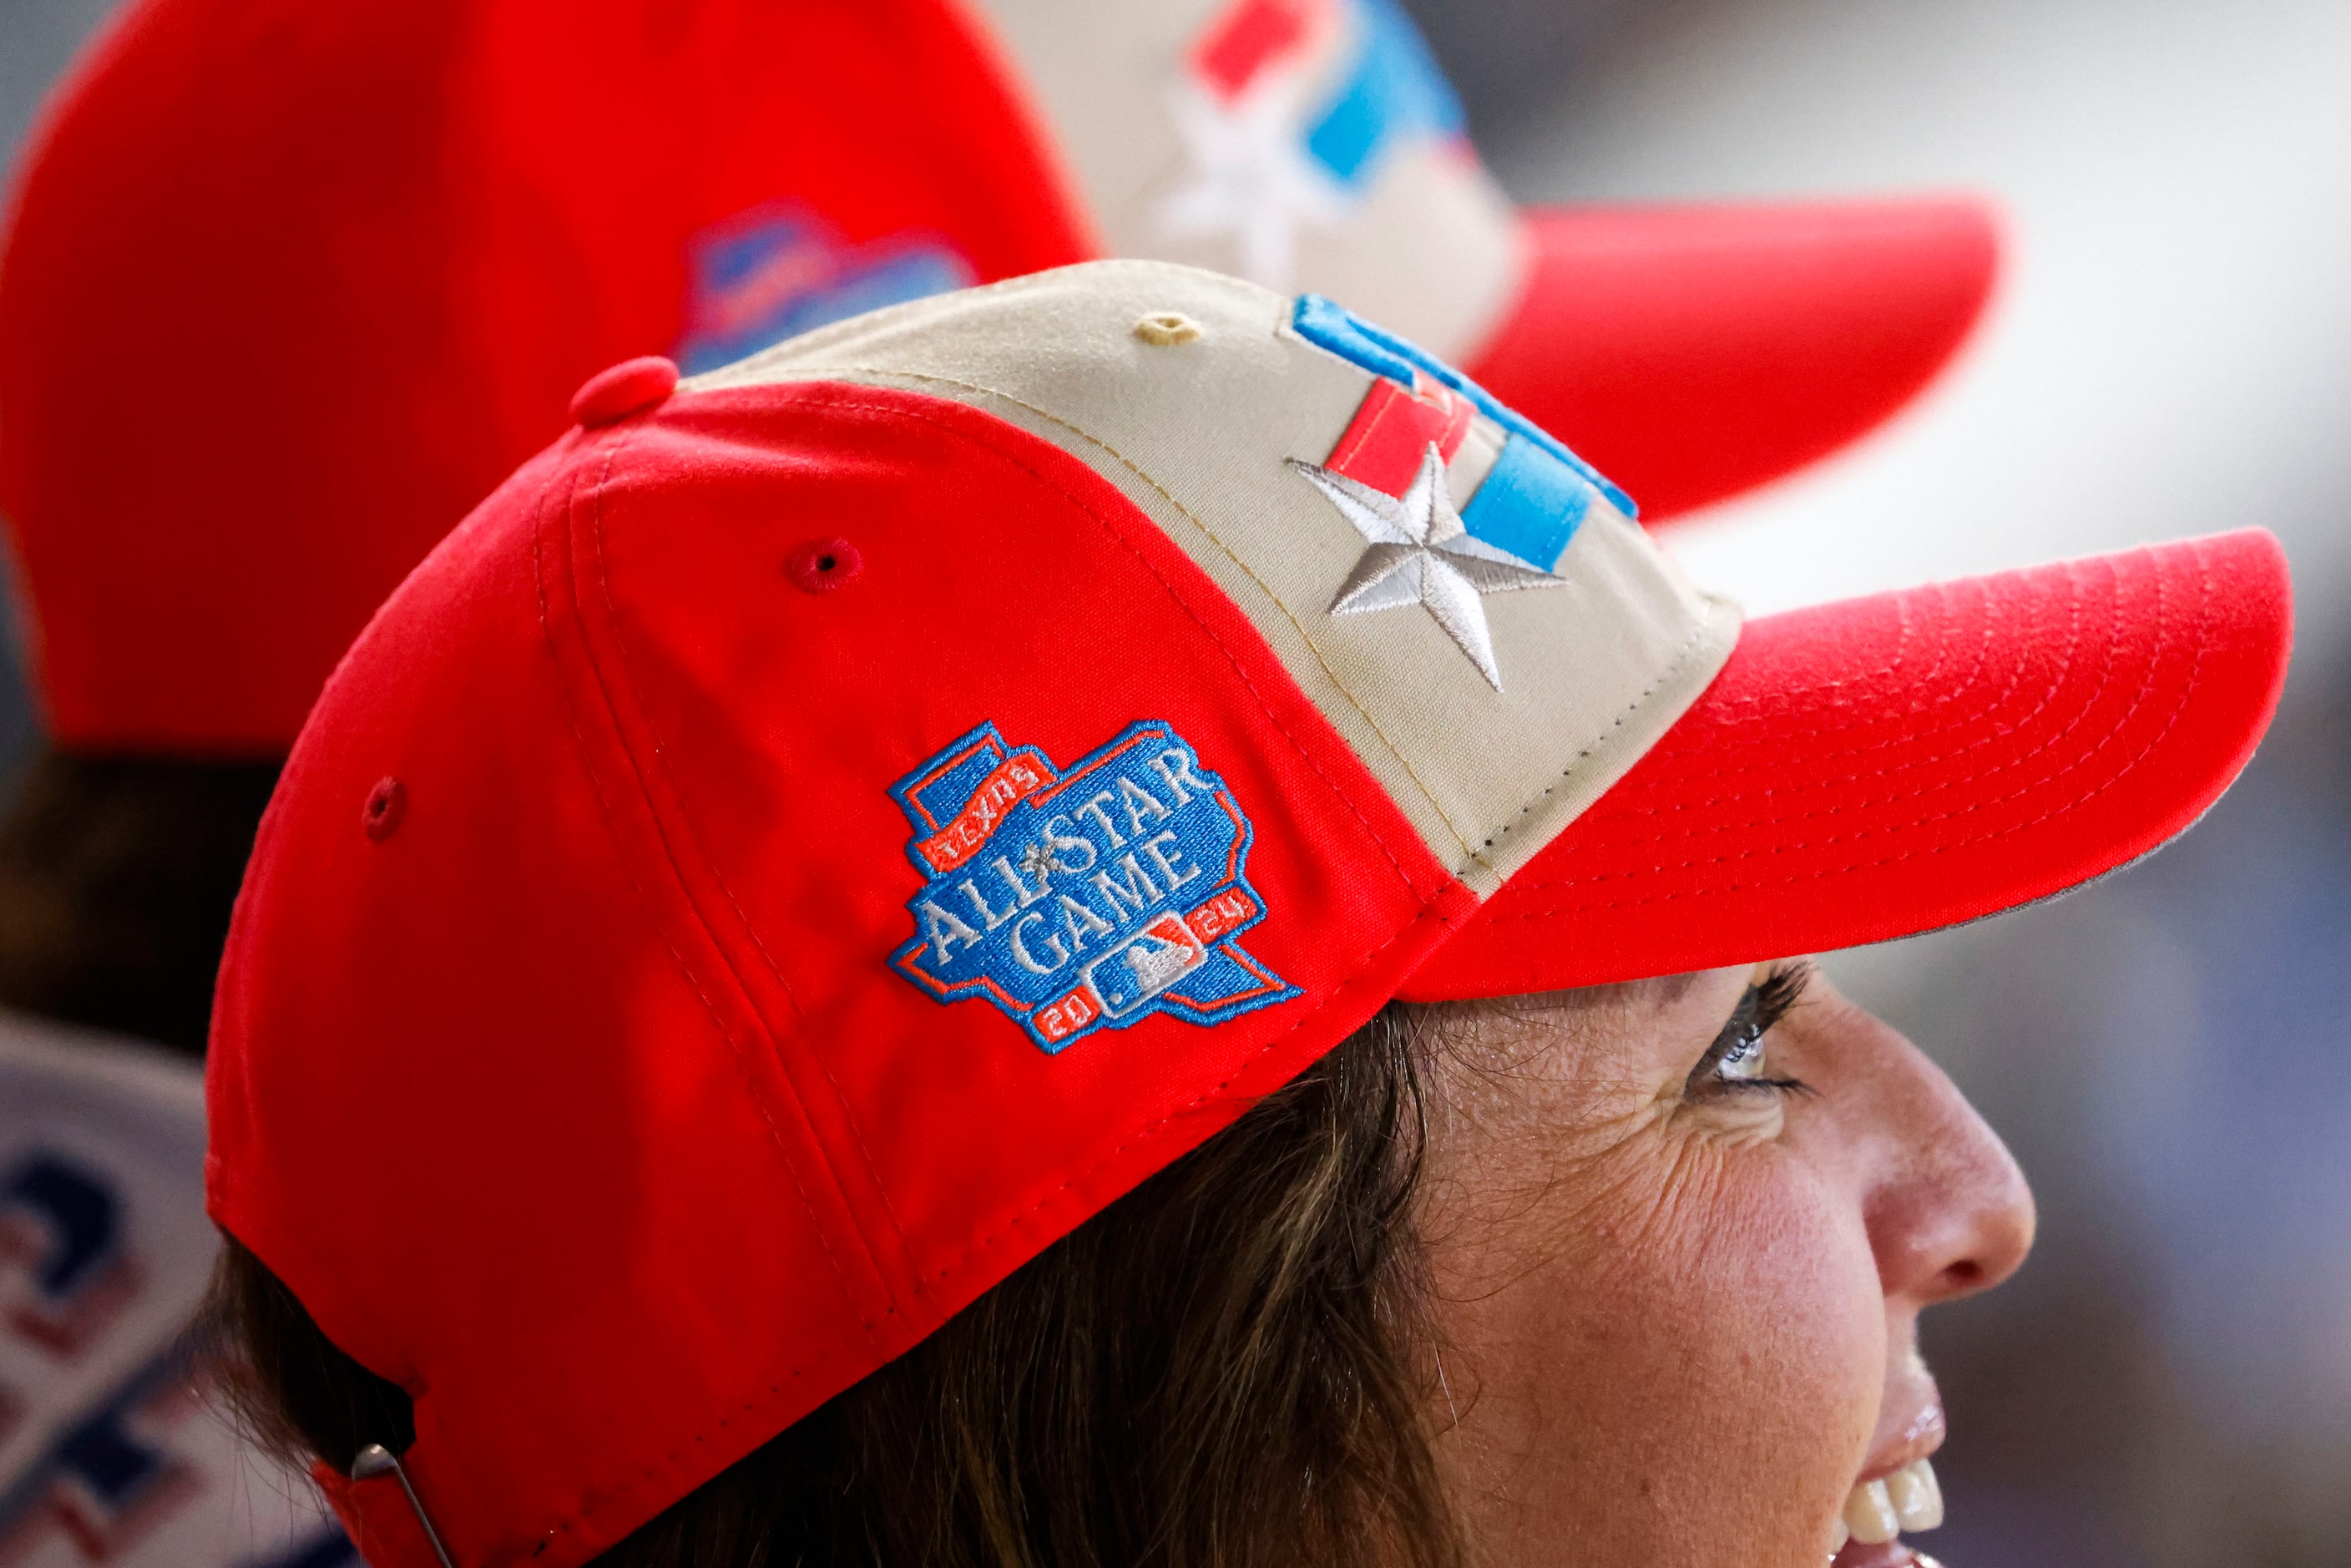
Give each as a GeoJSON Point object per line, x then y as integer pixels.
{"type": "Point", "coordinates": [1384, 443]}
{"type": "Point", "coordinates": [586, 1105]}
{"type": "Point", "coordinates": [377, 1515]}
{"type": "Point", "coordinates": [1692, 352]}
{"type": "Point", "coordinates": [292, 285]}
{"type": "Point", "coordinates": [1888, 765]}
{"type": "Point", "coordinates": [1229, 54]}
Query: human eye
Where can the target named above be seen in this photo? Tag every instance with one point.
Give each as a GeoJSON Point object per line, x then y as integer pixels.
{"type": "Point", "coordinates": [1736, 1062]}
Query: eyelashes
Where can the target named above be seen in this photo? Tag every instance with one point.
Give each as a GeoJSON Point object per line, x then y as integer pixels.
{"type": "Point", "coordinates": [1735, 1063]}
{"type": "Point", "coordinates": [1781, 989]}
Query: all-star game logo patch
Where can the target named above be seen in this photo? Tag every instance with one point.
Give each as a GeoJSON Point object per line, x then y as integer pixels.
{"type": "Point", "coordinates": [1085, 899]}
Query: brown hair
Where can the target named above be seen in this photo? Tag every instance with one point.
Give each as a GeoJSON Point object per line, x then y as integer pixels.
{"type": "Point", "coordinates": [117, 877]}
{"type": "Point", "coordinates": [1229, 1366]}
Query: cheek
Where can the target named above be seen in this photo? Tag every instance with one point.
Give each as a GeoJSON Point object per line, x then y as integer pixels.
{"type": "Point", "coordinates": [1681, 1363]}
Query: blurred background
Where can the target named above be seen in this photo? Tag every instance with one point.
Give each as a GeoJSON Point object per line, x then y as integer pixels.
{"type": "Point", "coordinates": [2168, 1382]}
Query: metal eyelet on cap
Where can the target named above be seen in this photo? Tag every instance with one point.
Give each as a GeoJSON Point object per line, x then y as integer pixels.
{"type": "Point", "coordinates": [1166, 328]}
{"type": "Point", "coordinates": [821, 566]}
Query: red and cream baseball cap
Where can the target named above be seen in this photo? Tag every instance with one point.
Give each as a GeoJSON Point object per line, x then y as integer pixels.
{"type": "Point", "coordinates": [264, 245]}
{"type": "Point", "coordinates": [824, 829]}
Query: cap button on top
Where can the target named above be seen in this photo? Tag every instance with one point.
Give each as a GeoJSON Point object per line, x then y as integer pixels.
{"type": "Point", "coordinates": [629, 387]}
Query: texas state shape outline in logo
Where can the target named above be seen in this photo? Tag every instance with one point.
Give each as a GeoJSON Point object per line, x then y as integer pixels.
{"type": "Point", "coordinates": [1086, 899]}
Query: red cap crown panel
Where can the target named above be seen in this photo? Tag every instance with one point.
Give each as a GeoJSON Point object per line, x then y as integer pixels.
{"type": "Point", "coordinates": [1027, 593]}
{"type": "Point", "coordinates": [627, 953]}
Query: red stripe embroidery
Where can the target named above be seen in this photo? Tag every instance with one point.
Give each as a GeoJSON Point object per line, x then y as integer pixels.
{"type": "Point", "coordinates": [1228, 55]}
{"type": "Point", "coordinates": [1392, 427]}
{"type": "Point", "coordinates": [1014, 780]}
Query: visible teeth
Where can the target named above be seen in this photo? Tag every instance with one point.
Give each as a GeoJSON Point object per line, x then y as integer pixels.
{"type": "Point", "coordinates": [1869, 1514]}
{"type": "Point", "coordinates": [1918, 1498]}
{"type": "Point", "coordinates": [1876, 1511]}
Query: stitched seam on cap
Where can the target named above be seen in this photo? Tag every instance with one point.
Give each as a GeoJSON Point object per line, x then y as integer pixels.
{"type": "Point", "coordinates": [1901, 652]}
{"type": "Point", "coordinates": [2006, 727]}
{"type": "Point", "coordinates": [1917, 683]}
{"type": "Point", "coordinates": [742, 918]}
{"type": "Point", "coordinates": [2187, 692]}
{"type": "Point", "coordinates": [1995, 615]}
{"type": "Point", "coordinates": [1681, 656]}
{"type": "Point", "coordinates": [1135, 468]}
{"type": "Point", "coordinates": [644, 903]}
{"type": "Point", "coordinates": [835, 400]}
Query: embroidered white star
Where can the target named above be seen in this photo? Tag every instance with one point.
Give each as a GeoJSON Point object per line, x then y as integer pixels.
{"type": "Point", "coordinates": [1421, 554]}
{"type": "Point", "coordinates": [1249, 178]}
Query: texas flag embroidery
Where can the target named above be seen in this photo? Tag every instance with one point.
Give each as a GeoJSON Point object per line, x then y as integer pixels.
{"type": "Point", "coordinates": [1085, 899]}
{"type": "Point", "coordinates": [1457, 495]}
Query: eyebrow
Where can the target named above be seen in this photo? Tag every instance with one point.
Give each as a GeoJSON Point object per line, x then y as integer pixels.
{"type": "Point", "coordinates": [1667, 988]}
{"type": "Point", "coordinates": [1658, 992]}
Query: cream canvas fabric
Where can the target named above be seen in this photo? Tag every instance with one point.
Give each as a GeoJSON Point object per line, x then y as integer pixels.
{"type": "Point", "coordinates": [1303, 144]}
{"type": "Point", "coordinates": [1217, 438]}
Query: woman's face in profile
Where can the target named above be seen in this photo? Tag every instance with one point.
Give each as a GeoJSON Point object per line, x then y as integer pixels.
{"type": "Point", "coordinates": [1679, 1260]}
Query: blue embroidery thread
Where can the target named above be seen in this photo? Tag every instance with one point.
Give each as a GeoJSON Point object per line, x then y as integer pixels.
{"type": "Point", "coordinates": [780, 269]}
{"type": "Point", "coordinates": [1336, 329]}
{"type": "Point", "coordinates": [1393, 90]}
{"type": "Point", "coordinates": [1086, 899]}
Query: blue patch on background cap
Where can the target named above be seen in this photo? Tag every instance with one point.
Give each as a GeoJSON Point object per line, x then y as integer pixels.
{"type": "Point", "coordinates": [780, 270]}
{"type": "Point", "coordinates": [1394, 88]}
{"type": "Point", "coordinates": [1081, 900]}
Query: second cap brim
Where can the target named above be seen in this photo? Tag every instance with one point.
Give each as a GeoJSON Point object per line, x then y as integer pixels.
{"type": "Point", "coordinates": [1690, 353]}
{"type": "Point", "coordinates": [1886, 766]}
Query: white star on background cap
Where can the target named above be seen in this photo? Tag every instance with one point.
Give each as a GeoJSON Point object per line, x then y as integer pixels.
{"type": "Point", "coordinates": [1248, 179]}
{"type": "Point", "coordinates": [1421, 554]}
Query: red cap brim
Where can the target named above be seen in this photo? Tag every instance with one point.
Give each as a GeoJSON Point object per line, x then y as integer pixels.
{"type": "Point", "coordinates": [1886, 766]}
{"type": "Point", "coordinates": [1692, 352]}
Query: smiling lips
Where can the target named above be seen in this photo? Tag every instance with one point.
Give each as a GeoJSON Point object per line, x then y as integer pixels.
{"type": "Point", "coordinates": [1898, 1490]}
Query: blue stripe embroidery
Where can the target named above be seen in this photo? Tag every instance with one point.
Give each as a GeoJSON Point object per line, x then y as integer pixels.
{"type": "Point", "coordinates": [1530, 504]}
{"type": "Point", "coordinates": [1331, 326]}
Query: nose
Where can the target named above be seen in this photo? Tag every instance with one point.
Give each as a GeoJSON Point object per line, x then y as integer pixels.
{"type": "Point", "coordinates": [1949, 1211]}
